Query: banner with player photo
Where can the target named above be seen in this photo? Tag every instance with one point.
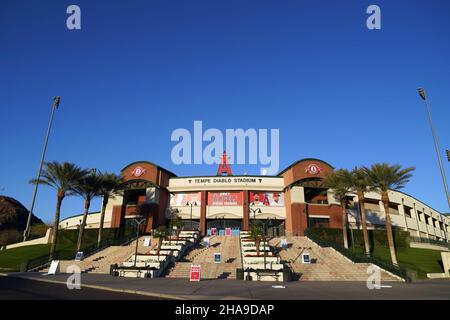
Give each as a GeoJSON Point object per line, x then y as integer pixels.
{"type": "Point", "coordinates": [185, 198]}
{"type": "Point", "coordinates": [225, 198]}
{"type": "Point", "coordinates": [266, 198]}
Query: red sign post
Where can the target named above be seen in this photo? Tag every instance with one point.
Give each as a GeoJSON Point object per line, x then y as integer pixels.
{"type": "Point", "coordinates": [195, 273]}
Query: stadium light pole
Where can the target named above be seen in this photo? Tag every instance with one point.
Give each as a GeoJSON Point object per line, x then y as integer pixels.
{"type": "Point", "coordinates": [444, 180]}
{"type": "Point", "coordinates": [26, 232]}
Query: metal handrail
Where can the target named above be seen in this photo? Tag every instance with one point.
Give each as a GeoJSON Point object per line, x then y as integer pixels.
{"type": "Point", "coordinates": [430, 241]}
{"type": "Point", "coordinates": [43, 261]}
{"type": "Point", "coordinates": [360, 258]}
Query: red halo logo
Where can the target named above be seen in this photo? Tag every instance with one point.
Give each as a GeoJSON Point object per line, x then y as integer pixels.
{"type": "Point", "coordinates": [138, 171]}
{"type": "Point", "coordinates": [313, 169]}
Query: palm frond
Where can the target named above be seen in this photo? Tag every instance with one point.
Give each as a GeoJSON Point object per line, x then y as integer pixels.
{"type": "Point", "coordinates": [384, 176]}
{"type": "Point", "coordinates": [61, 176]}
{"type": "Point", "coordinates": [89, 186]}
{"type": "Point", "coordinates": [341, 182]}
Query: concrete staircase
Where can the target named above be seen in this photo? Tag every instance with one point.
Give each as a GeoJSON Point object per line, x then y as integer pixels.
{"type": "Point", "coordinates": [100, 262]}
{"type": "Point", "coordinates": [228, 246]}
{"type": "Point", "coordinates": [328, 264]}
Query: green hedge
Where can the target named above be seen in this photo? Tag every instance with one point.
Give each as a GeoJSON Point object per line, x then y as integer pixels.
{"type": "Point", "coordinates": [11, 259]}
{"type": "Point", "coordinates": [68, 238]}
{"type": "Point", "coordinates": [376, 237]}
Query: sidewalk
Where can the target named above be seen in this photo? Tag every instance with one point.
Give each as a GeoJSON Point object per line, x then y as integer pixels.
{"type": "Point", "coordinates": [236, 289]}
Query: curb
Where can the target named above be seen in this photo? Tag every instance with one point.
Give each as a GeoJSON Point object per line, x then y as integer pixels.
{"type": "Point", "coordinates": [91, 286]}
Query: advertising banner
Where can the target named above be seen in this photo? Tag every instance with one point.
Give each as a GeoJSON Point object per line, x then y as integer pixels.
{"type": "Point", "coordinates": [185, 198]}
{"type": "Point", "coordinates": [224, 198]}
{"type": "Point", "coordinates": [195, 273]}
{"type": "Point", "coordinates": [266, 198]}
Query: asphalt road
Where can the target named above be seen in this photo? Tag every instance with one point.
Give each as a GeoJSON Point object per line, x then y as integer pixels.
{"type": "Point", "coordinates": [12, 287]}
{"type": "Point", "coordinates": [22, 289]}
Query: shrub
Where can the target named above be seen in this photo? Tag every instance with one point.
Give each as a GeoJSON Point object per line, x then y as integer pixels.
{"type": "Point", "coordinates": [38, 230]}
{"type": "Point", "coordinates": [10, 236]}
{"type": "Point", "coordinates": [376, 237]}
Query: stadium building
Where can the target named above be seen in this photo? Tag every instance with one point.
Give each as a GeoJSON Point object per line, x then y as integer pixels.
{"type": "Point", "coordinates": [289, 202]}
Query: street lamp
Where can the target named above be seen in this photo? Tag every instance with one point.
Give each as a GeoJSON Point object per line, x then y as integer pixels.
{"type": "Point", "coordinates": [191, 204]}
{"type": "Point", "coordinates": [424, 98]}
{"type": "Point", "coordinates": [138, 225]}
{"type": "Point", "coordinates": [26, 232]}
{"type": "Point", "coordinates": [254, 211]}
{"type": "Point", "coordinates": [448, 154]}
{"type": "Point", "coordinates": [173, 214]}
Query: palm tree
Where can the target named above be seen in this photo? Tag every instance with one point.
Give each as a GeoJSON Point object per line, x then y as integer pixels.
{"type": "Point", "coordinates": [109, 181]}
{"type": "Point", "coordinates": [256, 234]}
{"type": "Point", "coordinates": [177, 222]}
{"type": "Point", "coordinates": [361, 185]}
{"type": "Point", "coordinates": [340, 181]}
{"type": "Point", "coordinates": [88, 188]}
{"type": "Point", "coordinates": [160, 233]}
{"type": "Point", "coordinates": [385, 177]}
{"type": "Point", "coordinates": [63, 177]}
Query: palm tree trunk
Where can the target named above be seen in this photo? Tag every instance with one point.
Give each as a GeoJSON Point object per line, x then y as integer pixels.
{"type": "Point", "coordinates": [257, 243]}
{"type": "Point", "coordinates": [390, 236]}
{"type": "Point", "coordinates": [87, 204]}
{"type": "Point", "coordinates": [59, 200]}
{"type": "Point", "coordinates": [362, 208]}
{"type": "Point", "coordinates": [160, 241]}
{"type": "Point", "coordinates": [344, 224]}
{"type": "Point", "coordinates": [102, 219]}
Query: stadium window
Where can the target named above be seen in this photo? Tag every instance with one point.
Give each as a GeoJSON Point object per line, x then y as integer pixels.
{"type": "Point", "coordinates": [316, 195]}
{"type": "Point", "coordinates": [419, 215]}
{"type": "Point", "coordinates": [372, 205]}
{"type": "Point", "coordinates": [408, 211]}
{"type": "Point", "coordinates": [393, 208]}
{"type": "Point", "coordinates": [131, 197]}
{"type": "Point", "coordinates": [319, 222]}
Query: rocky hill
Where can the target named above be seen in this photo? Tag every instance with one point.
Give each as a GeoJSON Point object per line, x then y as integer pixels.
{"type": "Point", "coordinates": [13, 215]}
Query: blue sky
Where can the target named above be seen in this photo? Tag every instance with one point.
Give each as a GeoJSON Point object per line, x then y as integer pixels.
{"type": "Point", "coordinates": [137, 70]}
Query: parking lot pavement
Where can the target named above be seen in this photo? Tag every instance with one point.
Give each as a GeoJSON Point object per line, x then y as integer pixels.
{"type": "Point", "coordinates": [12, 288]}
{"type": "Point", "coordinates": [235, 289]}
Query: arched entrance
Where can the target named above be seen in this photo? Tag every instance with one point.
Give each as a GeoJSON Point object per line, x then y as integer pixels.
{"type": "Point", "coordinates": [222, 224]}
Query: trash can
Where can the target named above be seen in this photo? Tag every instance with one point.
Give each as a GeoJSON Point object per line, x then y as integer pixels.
{"type": "Point", "coordinates": [24, 267]}
{"type": "Point", "coordinates": [411, 275]}
{"type": "Point", "coordinates": [239, 274]}
{"type": "Point", "coordinates": [287, 274]}
{"type": "Point", "coordinates": [248, 277]}
{"type": "Point", "coordinates": [111, 270]}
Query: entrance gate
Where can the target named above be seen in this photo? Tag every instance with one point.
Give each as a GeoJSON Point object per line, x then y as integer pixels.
{"type": "Point", "coordinates": [191, 225]}
{"type": "Point", "coordinates": [221, 224]}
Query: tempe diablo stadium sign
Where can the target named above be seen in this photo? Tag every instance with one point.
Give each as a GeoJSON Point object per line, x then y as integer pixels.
{"type": "Point", "coordinates": [226, 183]}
